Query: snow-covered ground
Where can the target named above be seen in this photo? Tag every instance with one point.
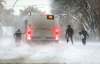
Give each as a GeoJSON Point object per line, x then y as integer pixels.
{"type": "Point", "coordinates": [50, 52]}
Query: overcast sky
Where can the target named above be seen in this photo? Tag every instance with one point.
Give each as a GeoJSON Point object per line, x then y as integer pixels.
{"type": "Point", "coordinates": [43, 5]}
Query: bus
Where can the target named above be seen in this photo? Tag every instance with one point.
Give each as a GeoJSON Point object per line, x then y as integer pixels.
{"type": "Point", "coordinates": [43, 28]}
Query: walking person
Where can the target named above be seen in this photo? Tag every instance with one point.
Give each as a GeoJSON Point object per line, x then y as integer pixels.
{"type": "Point", "coordinates": [18, 36]}
{"type": "Point", "coordinates": [69, 33]}
{"type": "Point", "coordinates": [84, 35]}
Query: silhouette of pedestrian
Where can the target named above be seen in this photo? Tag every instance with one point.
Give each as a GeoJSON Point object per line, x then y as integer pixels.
{"type": "Point", "coordinates": [18, 35]}
{"type": "Point", "coordinates": [69, 33]}
{"type": "Point", "coordinates": [84, 36]}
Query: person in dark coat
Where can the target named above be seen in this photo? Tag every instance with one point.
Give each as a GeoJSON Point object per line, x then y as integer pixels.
{"type": "Point", "coordinates": [18, 35]}
{"type": "Point", "coordinates": [84, 35]}
{"type": "Point", "coordinates": [69, 33]}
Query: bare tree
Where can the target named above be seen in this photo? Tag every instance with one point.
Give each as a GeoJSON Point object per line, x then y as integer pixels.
{"type": "Point", "coordinates": [85, 11]}
{"type": "Point", "coordinates": [29, 11]}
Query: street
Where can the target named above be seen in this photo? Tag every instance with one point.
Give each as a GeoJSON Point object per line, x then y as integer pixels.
{"type": "Point", "coordinates": [50, 52]}
{"type": "Point", "coordinates": [37, 31]}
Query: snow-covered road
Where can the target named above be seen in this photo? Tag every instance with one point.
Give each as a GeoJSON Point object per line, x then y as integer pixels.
{"type": "Point", "coordinates": [50, 52]}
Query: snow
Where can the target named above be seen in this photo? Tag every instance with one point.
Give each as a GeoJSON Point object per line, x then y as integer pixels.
{"type": "Point", "coordinates": [47, 52]}
{"type": "Point", "coordinates": [50, 52]}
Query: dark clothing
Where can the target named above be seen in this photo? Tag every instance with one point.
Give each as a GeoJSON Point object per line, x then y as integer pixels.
{"type": "Point", "coordinates": [85, 35]}
{"type": "Point", "coordinates": [69, 34]}
{"type": "Point", "coordinates": [18, 35]}
{"type": "Point", "coordinates": [71, 38]}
